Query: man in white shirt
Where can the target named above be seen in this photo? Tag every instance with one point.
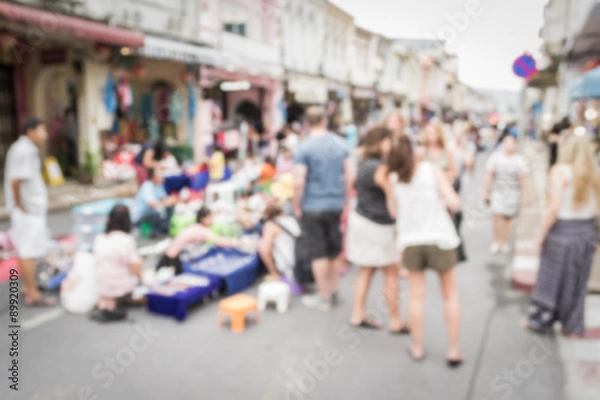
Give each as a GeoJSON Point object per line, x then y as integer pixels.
{"type": "Point", "coordinates": [27, 203]}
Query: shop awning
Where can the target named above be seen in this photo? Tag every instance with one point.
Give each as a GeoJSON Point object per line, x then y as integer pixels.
{"type": "Point", "coordinates": [587, 86]}
{"type": "Point", "coordinates": [157, 47]}
{"type": "Point", "coordinates": [53, 23]}
{"type": "Point", "coordinates": [587, 42]}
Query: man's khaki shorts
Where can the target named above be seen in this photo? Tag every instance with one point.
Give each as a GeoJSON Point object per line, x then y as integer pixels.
{"type": "Point", "coordinates": [419, 258]}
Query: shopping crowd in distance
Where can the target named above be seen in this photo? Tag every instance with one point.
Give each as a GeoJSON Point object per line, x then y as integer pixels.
{"type": "Point", "coordinates": [387, 200]}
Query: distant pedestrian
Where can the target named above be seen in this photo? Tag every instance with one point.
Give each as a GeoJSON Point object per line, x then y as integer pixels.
{"type": "Point", "coordinates": [434, 149]}
{"type": "Point", "coordinates": [506, 188]}
{"type": "Point", "coordinates": [395, 123]}
{"type": "Point", "coordinates": [568, 240]}
{"type": "Point", "coordinates": [323, 180]}
{"type": "Point", "coordinates": [150, 157]}
{"type": "Point", "coordinates": [370, 241]}
{"type": "Point", "coordinates": [118, 265]}
{"type": "Point", "coordinates": [27, 203]}
{"type": "Point", "coordinates": [426, 235]}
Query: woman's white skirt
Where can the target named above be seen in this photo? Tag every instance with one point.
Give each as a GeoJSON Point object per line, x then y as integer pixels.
{"type": "Point", "coordinates": [370, 244]}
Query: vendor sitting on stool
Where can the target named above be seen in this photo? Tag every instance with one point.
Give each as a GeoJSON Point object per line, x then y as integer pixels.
{"type": "Point", "coordinates": [153, 205]}
{"type": "Point", "coordinates": [278, 242]}
{"type": "Point", "coordinates": [197, 233]}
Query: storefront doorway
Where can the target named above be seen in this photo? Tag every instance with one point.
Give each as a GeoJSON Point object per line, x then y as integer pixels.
{"type": "Point", "coordinates": [8, 112]}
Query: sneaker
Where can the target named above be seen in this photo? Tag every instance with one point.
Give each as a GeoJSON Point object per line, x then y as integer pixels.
{"type": "Point", "coordinates": [504, 249]}
{"type": "Point", "coordinates": [335, 299]}
{"type": "Point", "coordinates": [315, 302]}
{"type": "Point", "coordinates": [495, 248]}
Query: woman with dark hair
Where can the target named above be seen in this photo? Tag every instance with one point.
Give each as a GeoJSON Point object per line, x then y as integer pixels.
{"type": "Point", "coordinates": [118, 266]}
{"type": "Point", "coordinates": [197, 233]}
{"type": "Point", "coordinates": [370, 239]}
{"type": "Point", "coordinates": [150, 157]}
{"type": "Point", "coordinates": [422, 195]}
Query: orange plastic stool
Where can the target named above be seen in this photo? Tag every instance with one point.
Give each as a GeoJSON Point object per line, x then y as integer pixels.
{"type": "Point", "coordinates": [237, 307]}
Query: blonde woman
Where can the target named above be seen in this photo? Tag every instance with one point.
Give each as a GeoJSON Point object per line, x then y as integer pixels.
{"type": "Point", "coordinates": [567, 240]}
{"type": "Point", "coordinates": [435, 151]}
{"type": "Point", "coordinates": [395, 123]}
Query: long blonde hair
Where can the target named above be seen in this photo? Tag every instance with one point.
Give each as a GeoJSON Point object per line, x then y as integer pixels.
{"type": "Point", "coordinates": [576, 151]}
{"type": "Point", "coordinates": [439, 130]}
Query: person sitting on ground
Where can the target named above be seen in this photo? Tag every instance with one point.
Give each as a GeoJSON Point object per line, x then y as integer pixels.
{"type": "Point", "coordinates": [276, 247]}
{"type": "Point", "coordinates": [118, 266]}
{"type": "Point", "coordinates": [197, 233]}
{"type": "Point", "coordinates": [153, 205]}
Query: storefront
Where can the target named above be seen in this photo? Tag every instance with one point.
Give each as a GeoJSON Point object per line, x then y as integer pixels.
{"type": "Point", "coordinates": [364, 107]}
{"type": "Point", "coordinates": [339, 106]}
{"type": "Point", "coordinates": [58, 63]}
{"type": "Point", "coordinates": [302, 91]}
{"type": "Point", "coordinates": [238, 107]}
{"type": "Point", "coordinates": [8, 106]}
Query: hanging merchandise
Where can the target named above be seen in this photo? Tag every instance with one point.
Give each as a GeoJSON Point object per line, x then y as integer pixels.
{"type": "Point", "coordinates": [154, 128]}
{"type": "Point", "coordinates": [162, 105]}
{"type": "Point", "coordinates": [192, 100]}
{"type": "Point", "coordinates": [110, 97]}
{"type": "Point", "coordinates": [147, 107]}
{"type": "Point", "coordinates": [176, 107]}
{"type": "Point", "coordinates": [125, 95]}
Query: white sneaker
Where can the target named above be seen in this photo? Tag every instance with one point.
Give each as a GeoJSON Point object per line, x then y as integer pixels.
{"type": "Point", "coordinates": [495, 248]}
{"type": "Point", "coordinates": [315, 302]}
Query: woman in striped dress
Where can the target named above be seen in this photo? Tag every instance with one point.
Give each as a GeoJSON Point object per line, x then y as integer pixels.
{"type": "Point", "coordinates": [370, 241]}
{"type": "Point", "coordinates": [568, 240]}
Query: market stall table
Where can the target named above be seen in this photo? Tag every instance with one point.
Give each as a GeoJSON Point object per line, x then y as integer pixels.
{"type": "Point", "coordinates": [177, 304]}
{"type": "Point", "coordinates": [237, 270]}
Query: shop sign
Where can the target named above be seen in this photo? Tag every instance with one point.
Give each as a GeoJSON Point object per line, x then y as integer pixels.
{"type": "Point", "coordinates": [363, 93]}
{"type": "Point", "coordinates": [308, 90]}
{"type": "Point", "coordinates": [235, 86]}
{"type": "Point", "coordinates": [53, 56]}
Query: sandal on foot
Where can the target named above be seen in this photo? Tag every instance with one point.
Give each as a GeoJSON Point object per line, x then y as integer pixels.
{"type": "Point", "coordinates": [412, 355]}
{"type": "Point", "coordinates": [41, 301]}
{"type": "Point", "coordinates": [455, 363]}
{"type": "Point", "coordinates": [365, 323]}
{"type": "Point", "coordinates": [404, 330]}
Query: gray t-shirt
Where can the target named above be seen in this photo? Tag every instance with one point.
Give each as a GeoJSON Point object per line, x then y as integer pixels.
{"type": "Point", "coordinates": [23, 163]}
{"type": "Point", "coordinates": [324, 157]}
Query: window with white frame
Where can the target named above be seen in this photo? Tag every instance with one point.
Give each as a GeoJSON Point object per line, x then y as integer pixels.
{"type": "Point", "coordinates": [235, 18]}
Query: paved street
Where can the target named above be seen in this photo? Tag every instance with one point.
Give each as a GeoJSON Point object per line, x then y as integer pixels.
{"type": "Point", "coordinates": [299, 355]}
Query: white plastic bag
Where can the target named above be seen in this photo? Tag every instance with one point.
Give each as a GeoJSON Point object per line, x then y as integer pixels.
{"type": "Point", "coordinates": [78, 294]}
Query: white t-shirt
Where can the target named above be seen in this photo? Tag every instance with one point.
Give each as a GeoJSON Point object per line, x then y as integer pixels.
{"type": "Point", "coordinates": [291, 142]}
{"type": "Point", "coordinates": [23, 163]}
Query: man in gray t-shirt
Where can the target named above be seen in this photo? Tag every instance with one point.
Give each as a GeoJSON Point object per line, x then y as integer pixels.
{"type": "Point", "coordinates": [323, 179]}
{"type": "Point", "coordinates": [27, 203]}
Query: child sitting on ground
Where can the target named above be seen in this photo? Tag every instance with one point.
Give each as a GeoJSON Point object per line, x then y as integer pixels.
{"type": "Point", "coordinates": [197, 233]}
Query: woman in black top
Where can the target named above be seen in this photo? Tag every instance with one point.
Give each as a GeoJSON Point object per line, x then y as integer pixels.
{"type": "Point", "coordinates": [370, 241]}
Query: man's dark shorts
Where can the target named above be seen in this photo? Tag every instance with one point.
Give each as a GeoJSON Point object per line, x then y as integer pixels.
{"type": "Point", "coordinates": [322, 234]}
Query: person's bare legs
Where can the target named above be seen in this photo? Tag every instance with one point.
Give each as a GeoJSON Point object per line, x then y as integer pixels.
{"type": "Point", "coordinates": [416, 281]}
{"type": "Point", "coordinates": [30, 289]}
{"type": "Point", "coordinates": [506, 230]}
{"type": "Point", "coordinates": [452, 312]}
{"type": "Point", "coordinates": [334, 277]}
{"type": "Point", "coordinates": [498, 229]}
{"type": "Point", "coordinates": [322, 272]}
{"type": "Point", "coordinates": [361, 289]}
{"type": "Point", "coordinates": [391, 291]}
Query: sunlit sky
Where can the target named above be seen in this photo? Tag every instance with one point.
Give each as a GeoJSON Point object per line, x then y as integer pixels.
{"type": "Point", "coordinates": [487, 47]}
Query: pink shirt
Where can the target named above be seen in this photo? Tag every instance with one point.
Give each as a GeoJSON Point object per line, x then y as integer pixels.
{"type": "Point", "coordinates": [113, 253]}
{"type": "Point", "coordinates": [192, 234]}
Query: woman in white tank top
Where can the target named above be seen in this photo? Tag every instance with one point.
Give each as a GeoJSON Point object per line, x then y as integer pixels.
{"type": "Point", "coordinates": [427, 238]}
{"type": "Point", "coordinates": [567, 240]}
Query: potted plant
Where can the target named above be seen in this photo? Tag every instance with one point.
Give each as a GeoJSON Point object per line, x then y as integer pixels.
{"type": "Point", "coordinates": [90, 168]}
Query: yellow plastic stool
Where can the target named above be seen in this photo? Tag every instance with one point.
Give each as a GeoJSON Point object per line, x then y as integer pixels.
{"type": "Point", "coordinates": [237, 307]}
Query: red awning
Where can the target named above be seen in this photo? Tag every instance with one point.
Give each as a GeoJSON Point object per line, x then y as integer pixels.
{"type": "Point", "coordinates": [50, 23]}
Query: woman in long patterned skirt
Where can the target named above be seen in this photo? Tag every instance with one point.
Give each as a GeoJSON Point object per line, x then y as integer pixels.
{"type": "Point", "coordinates": [568, 240]}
